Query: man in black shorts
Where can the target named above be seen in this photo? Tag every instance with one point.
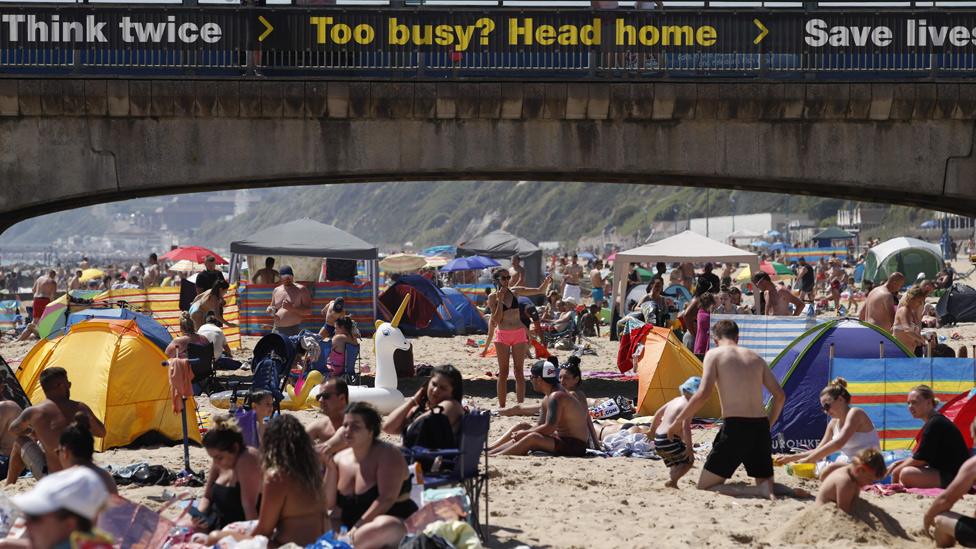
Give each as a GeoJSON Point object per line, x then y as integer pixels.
{"type": "Point", "coordinates": [952, 528]}
{"type": "Point", "coordinates": [744, 439]}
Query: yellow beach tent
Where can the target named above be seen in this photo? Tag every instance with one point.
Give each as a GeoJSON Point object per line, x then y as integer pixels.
{"type": "Point", "coordinates": [118, 373]}
{"type": "Point", "coordinates": [664, 364]}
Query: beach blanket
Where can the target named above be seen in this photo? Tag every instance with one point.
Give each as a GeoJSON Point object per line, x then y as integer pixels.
{"type": "Point", "coordinates": [767, 336]}
{"type": "Point", "coordinates": [627, 444]}
{"type": "Point", "coordinates": [891, 489]}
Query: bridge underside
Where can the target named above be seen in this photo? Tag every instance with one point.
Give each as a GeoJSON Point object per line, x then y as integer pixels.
{"type": "Point", "coordinates": [70, 143]}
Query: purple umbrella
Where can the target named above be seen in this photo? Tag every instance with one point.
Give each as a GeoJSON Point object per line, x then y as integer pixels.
{"type": "Point", "coordinates": [470, 263]}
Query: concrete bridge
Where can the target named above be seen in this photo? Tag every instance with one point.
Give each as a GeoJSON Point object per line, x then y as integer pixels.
{"type": "Point", "coordinates": [66, 143]}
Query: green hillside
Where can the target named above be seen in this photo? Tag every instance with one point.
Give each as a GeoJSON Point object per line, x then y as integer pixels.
{"type": "Point", "coordinates": [428, 213]}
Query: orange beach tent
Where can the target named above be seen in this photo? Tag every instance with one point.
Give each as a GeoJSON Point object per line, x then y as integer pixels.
{"type": "Point", "coordinates": [664, 364]}
{"type": "Point", "coordinates": [118, 373]}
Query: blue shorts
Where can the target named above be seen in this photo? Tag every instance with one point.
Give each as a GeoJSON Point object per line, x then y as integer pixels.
{"type": "Point", "coordinates": [597, 294]}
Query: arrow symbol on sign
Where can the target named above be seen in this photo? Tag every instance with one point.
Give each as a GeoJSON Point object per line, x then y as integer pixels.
{"type": "Point", "coordinates": [763, 31]}
{"type": "Point", "coordinates": [268, 28]}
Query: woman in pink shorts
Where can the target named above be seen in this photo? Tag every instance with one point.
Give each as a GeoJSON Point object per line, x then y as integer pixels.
{"type": "Point", "coordinates": [510, 334]}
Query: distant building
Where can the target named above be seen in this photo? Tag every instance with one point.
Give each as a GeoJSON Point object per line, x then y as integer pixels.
{"type": "Point", "coordinates": [861, 218]}
{"type": "Point", "coordinates": [720, 228]}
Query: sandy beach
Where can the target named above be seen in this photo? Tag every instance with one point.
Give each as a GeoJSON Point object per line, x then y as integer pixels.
{"type": "Point", "coordinates": [608, 502]}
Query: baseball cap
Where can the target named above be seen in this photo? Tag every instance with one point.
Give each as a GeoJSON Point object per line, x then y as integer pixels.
{"type": "Point", "coordinates": [548, 371]}
{"type": "Point", "coordinates": [78, 490]}
{"type": "Point", "coordinates": [286, 271]}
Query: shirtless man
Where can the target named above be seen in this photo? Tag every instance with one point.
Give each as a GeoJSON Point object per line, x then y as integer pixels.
{"type": "Point", "coordinates": [47, 420]}
{"type": "Point", "coordinates": [9, 410]}
{"type": "Point", "coordinates": [326, 433]}
{"type": "Point", "coordinates": [572, 274]}
{"type": "Point", "coordinates": [517, 271]}
{"type": "Point", "coordinates": [267, 275]}
{"type": "Point", "coordinates": [744, 437]}
{"type": "Point", "coordinates": [44, 289]}
{"type": "Point", "coordinates": [564, 431]}
{"type": "Point", "coordinates": [777, 299]}
{"type": "Point", "coordinates": [596, 280]}
{"type": "Point", "coordinates": [879, 307]}
{"type": "Point", "coordinates": [335, 310]}
{"type": "Point", "coordinates": [952, 527]}
{"type": "Point", "coordinates": [74, 283]}
{"type": "Point", "coordinates": [153, 276]}
{"type": "Point", "coordinates": [290, 303]}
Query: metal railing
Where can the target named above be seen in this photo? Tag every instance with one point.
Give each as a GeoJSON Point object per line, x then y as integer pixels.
{"type": "Point", "coordinates": [298, 55]}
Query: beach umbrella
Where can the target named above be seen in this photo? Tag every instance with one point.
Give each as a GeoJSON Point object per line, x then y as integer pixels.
{"type": "Point", "coordinates": [195, 254]}
{"type": "Point", "coordinates": [773, 233]}
{"type": "Point", "coordinates": [586, 255]}
{"type": "Point", "coordinates": [777, 246]}
{"type": "Point", "coordinates": [772, 268]}
{"type": "Point", "coordinates": [89, 274]}
{"type": "Point", "coordinates": [930, 224]}
{"type": "Point", "coordinates": [439, 250]}
{"type": "Point", "coordinates": [437, 261]}
{"type": "Point", "coordinates": [759, 244]}
{"type": "Point", "coordinates": [403, 263]}
{"type": "Point", "coordinates": [186, 266]}
{"type": "Point", "coordinates": [470, 263]}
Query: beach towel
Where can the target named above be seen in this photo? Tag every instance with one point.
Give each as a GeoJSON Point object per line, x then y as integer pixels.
{"type": "Point", "coordinates": [629, 342]}
{"type": "Point", "coordinates": [891, 489]}
{"type": "Point", "coordinates": [627, 444]}
{"type": "Point", "coordinates": [180, 382]}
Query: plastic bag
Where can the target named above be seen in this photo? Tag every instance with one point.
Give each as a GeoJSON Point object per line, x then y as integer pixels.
{"type": "Point", "coordinates": [329, 541]}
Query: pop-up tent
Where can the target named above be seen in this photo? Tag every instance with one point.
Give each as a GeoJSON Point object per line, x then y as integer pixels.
{"type": "Point", "coordinates": [503, 245]}
{"type": "Point", "coordinates": [154, 331]}
{"type": "Point", "coordinates": [663, 366]}
{"type": "Point", "coordinates": [302, 239]}
{"type": "Point", "coordinates": [957, 305]}
{"type": "Point", "coordinates": [805, 367]}
{"type": "Point", "coordinates": [465, 315]}
{"type": "Point", "coordinates": [961, 410]}
{"type": "Point", "coordinates": [118, 372]}
{"type": "Point", "coordinates": [826, 237]}
{"type": "Point", "coordinates": [428, 312]}
{"type": "Point", "coordinates": [908, 256]}
{"type": "Point", "coordinates": [687, 246]}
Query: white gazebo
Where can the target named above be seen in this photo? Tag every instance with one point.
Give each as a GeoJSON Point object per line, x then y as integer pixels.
{"type": "Point", "coordinates": [687, 246]}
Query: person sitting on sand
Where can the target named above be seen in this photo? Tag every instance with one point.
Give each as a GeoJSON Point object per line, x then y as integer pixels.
{"type": "Point", "coordinates": [417, 421]}
{"type": "Point", "coordinates": [849, 431]}
{"type": "Point", "coordinates": [941, 450]}
{"type": "Point", "coordinates": [744, 438]}
{"type": "Point", "coordinates": [76, 447]}
{"type": "Point", "coordinates": [571, 379]}
{"type": "Point", "coordinates": [208, 301]}
{"type": "Point", "coordinates": [292, 492]}
{"type": "Point", "coordinates": [367, 486]}
{"type": "Point", "coordinates": [45, 422]}
{"type": "Point", "coordinates": [336, 361]}
{"type": "Point", "coordinates": [326, 433]}
{"type": "Point", "coordinates": [843, 486]}
{"type": "Point", "coordinates": [563, 431]}
{"type": "Point", "coordinates": [590, 321]}
{"type": "Point", "coordinates": [233, 486]}
{"type": "Point", "coordinates": [677, 452]}
{"type": "Point", "coordinates": [951, 527]}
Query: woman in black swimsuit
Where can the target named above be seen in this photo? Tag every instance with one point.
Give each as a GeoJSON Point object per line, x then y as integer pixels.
{"type": "Point", "coordinates": [233, 487]}
{"type": "Point", "coordinates": [415, 419]}
{"type": "Point", "coordinates": [367, 487]}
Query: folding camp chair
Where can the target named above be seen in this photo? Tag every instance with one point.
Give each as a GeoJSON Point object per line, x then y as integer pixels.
{"type": "Point", "coordinates": [463, 465]}
{"type": "Point", "coordinates": [572, 332]}
{"type": "Point", "coordinates": [204, 374]}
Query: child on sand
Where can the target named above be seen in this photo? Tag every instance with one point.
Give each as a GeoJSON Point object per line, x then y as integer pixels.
{"type": "Point", "coordinates": [843, 486]}
{"type": "Point", "coordinates": [677, 453]}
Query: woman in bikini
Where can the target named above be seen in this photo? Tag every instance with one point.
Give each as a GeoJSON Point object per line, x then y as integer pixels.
{"type": "Point", "coordinates": [367, 484]}
{"type": "Point", "coordinates": [441, 394]}
{"type": "Point", "coordinates": [343, 336]}
{"type": "Point", "coordinates": [510, 335]}
{"type": "Point", "coordinates": [210, 300]}
{"type": "Point", "coordinates": [908, 327]}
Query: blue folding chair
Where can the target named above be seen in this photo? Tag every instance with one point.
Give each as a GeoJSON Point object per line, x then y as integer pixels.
{"type": "Point", "coordinates": [462, 466]}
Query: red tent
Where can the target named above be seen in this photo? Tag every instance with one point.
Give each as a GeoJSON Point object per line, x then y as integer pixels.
{"type": "Point", "coordinates": [961, 410]}
{"type": "Point", "coordinates": [195, 254]}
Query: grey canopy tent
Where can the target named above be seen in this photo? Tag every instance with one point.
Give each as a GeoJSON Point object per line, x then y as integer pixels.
{"type": "Point", "coordinates": [308, 238]}
{"type": "Point", "coordinates": [503, 245]}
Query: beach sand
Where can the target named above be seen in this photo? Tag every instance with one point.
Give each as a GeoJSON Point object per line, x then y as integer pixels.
{"type": "Point", "coordinates": [608, 502]}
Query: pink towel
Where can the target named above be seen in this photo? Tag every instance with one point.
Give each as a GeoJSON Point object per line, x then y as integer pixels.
{"type": "Point", "coordinates": [180, 381]}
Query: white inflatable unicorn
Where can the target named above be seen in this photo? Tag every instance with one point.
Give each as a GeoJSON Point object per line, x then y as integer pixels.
{"type": "Point", "coordinates": [387, 339]}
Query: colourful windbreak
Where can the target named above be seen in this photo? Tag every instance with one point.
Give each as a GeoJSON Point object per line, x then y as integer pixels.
{"type": "Point", "coordinates": [881, 387]}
